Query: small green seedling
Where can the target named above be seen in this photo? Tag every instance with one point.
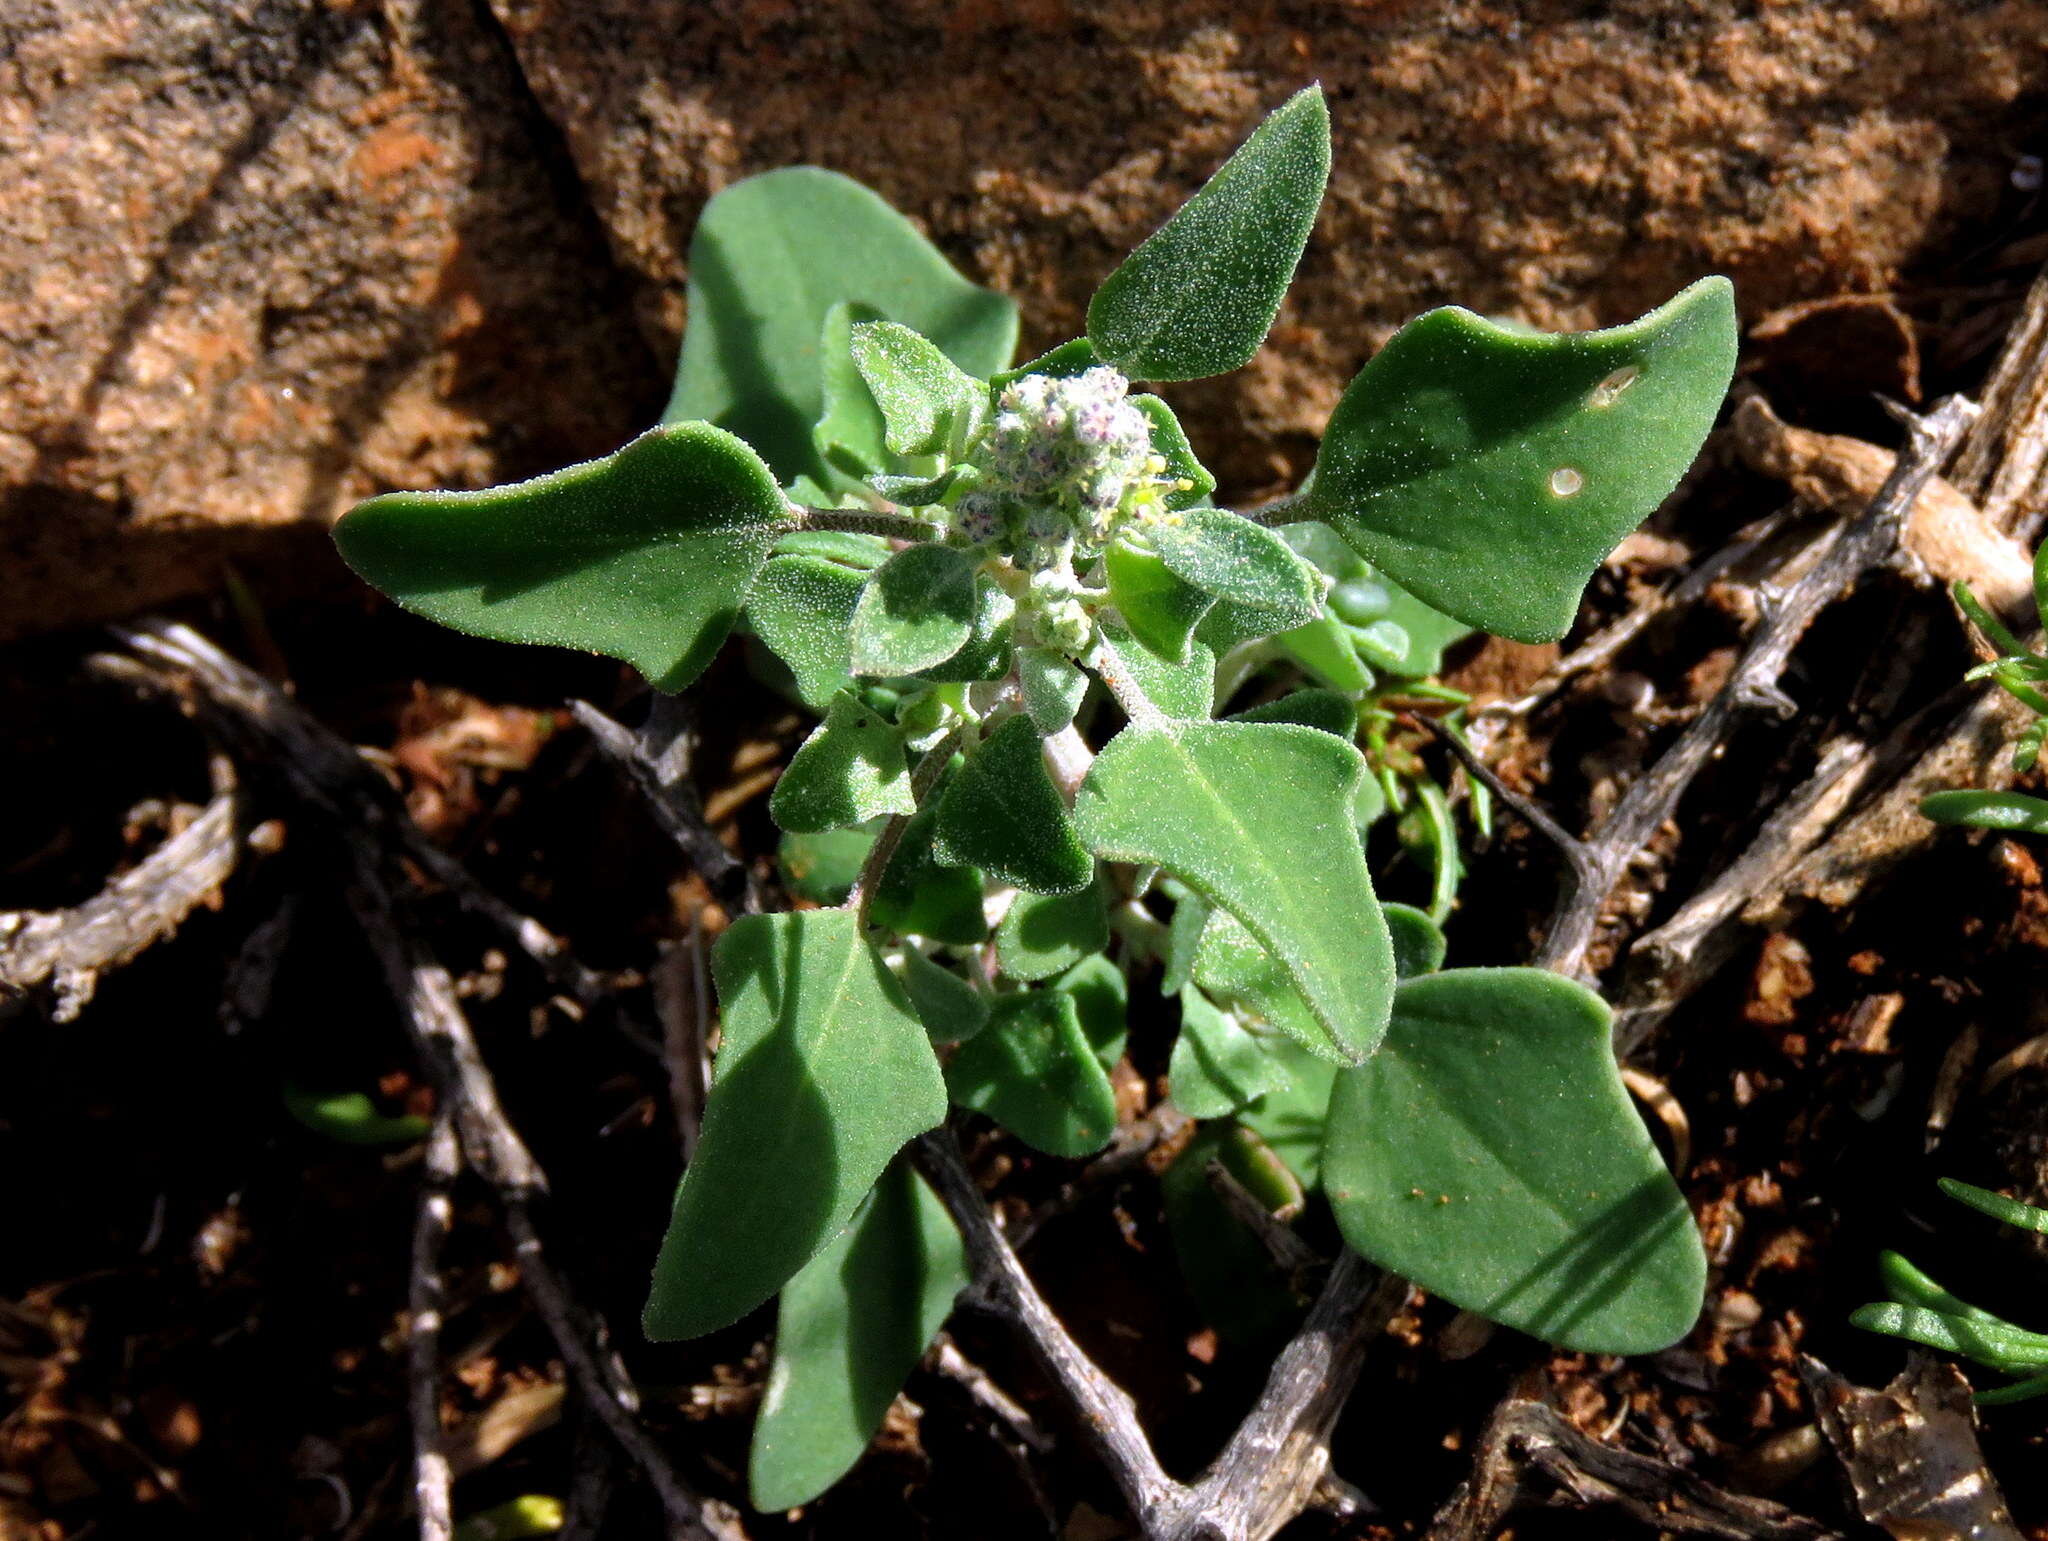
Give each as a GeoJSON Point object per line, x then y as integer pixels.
{"type": "Point", "coordinates": [2023, 674]}
{"type": "Point", "coordinates": [1921, 1311]}
{"type": "Point", "coordinates": [1008, 597]}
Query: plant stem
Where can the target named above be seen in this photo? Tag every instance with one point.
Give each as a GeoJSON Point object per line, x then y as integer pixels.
{"type": "Point", "coordinates": [861, 521]}
{"type": "Point", "coordinates": [1110, 668]}
{"type": "Point", "coordinates": [861, 897]}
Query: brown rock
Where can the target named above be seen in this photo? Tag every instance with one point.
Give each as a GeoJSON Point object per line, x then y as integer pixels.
{"type": "Point", "coordinates": [262, 259]}
{"type": "Point", "coordinates": [1570, 164]}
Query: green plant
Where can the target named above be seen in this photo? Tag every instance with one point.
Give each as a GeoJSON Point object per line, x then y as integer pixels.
{"type": "Point", "coordinates": [1008, 596]}
{"type": "Point", "coordinates": [1921, 1311]}
{"type": "Point", "coordinates": [2021, 672]}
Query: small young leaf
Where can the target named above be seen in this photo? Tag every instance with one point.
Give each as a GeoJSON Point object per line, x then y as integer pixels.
{"type": "Point", "coordinates": [1245, 813]}
{"type": "Point", "coordinates": [1294, 1119]}
{"type": "Point", "coordinates": [1199, 295]}
{"type": "Point", "coordinates": [1061, 363]}
{"type": "Point", "coordinates": [1043, 935]}
{"type": "Point", "coordinates": [643, 556]}
{"type": "Point", "coordinates": [1908, 1286]}
{"type": "Point", "coordinates": [1240, 1289]}
{"type": "Point", "coordinates": [1419, 945]}
{"type": "Point", "coordinates": [1102, 999]}
{"type": "Point", "coordinates": [848, 771]}
{"type": "Point", "coordinates": [2011, 1212]}
{"type": "Point", "coordinates": [1052, 687]}
{"type": "Point", "coordinates": [823, 1073]}
{"type": "Point", "coordinates": [988, 650]}
{"type": "Point", "coordinates": [1490, 1153]}
{"type": "Point", "coordinates": [1170, 443]}
{"type": "Point", "coordinates": [823, 867]}
{"type": "Point", "coordinates": [1001, 812]}
{"type": "Point", "coordinates": [1160, 607]}
{"type": "Point", "coordinates": [1327, 650]}
{"type": "Point", "coordinates": [916, 610]}
{"type": "Point", "coordinates": [1232, 964]}
{"type": "Point", "coordinates": [771, 255]}
{"type": "Point", "coordinates": [352, 1118]}
{"type": "Point", "coordinates": [852, 1325]}
{"type": "Point", "coordinates": [1490, 470]}
{"type": "Point", "coordinates": [916, 896]}
{"type": "Point", "coordinates": [921, 392]}
{"type": "Point", "coordinates": [849, 429]}
{"type": "Point", "coordinates": [952, 1009]}
{"type": "Point", "coordinates": [863, 552]}
{"type": "Point", "coordinates": [2000, 1345]}
{"type": "Point", "coordinates": [1226, 555]}
{"type": "Point", "coordinates": [2013, 812]}
{"type": "Point", "coordinates": [1183, 941]}
{"type": "Point", "coordinates": [1033, 1071]}
{"type": "Point", "coordinates": [802, 607]}
{"type": "Point", "coordinates": [1324, 709]}
{"type": "Point", "coordinates": [1186, 690]}
{"type": "Point", "coordinates": [1217, 1067]}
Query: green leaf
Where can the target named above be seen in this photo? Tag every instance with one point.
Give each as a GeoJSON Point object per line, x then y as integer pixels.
{"type": "Point", "coordinates": [1001, 812]}
{"type": "Point", "coordinates": [1294, 1118]}
{"type": "Point", "coordinates": [2013, 812]}
{"type": "Point", "coordinates": [1256, 817]}
{"type": "Point", "coordinates": [848, 432]}
{"type": "Point", "coordinates": [1170, 443]}
{"type": "Point", "coordinates": [1239, 1288]}
{"type": "Point", "coordinates": [1326, 710]}
{"type": "Point", "coordinates": [1490, 470]}
{"type": "Point", "coordinates": [531, 1514]}
{"type": "Point", "coordinates": [1199, 295]}
{"type": "Point", "coordinates": [1062, 363]}
{"type": "Point", "coordinates": [1160, 607]}
{"type": "Point", "coordinates": [1908, 1286]}
{"type": "Point", "coordinates": [1185, 690]}
{"type": "Point", "coordinates": [1326, 650]}
{"type": "Point", "coordinates": [1217, 1067]}
{"type": "Point", "coordinates": [2002, 1346]}
{"type": "Point", "coordinates": [848, 771]}
{"type": "Point", "coordinates": [643, 556]}
{"type": "Point", "coordinates": [922, 491]}
{"type": "Point", "coordinates": [823, 867]}
{"type": "Point", "coordinates": [1034, 1072]}
{"type": "Point", "coordinates": [352, 1118]}
{"type": "Point", "coordinates": [802, 608]}
{"type": "Point", "coordinates": [1183, 942]}
{"type": "Point", "coordinates": [1424, 634]}
{"type": "Point", "coordinates": [1102, 999]}
{"type": "Point", "coordinates": [1226, 555]}
{"type": "Point", "coordinates": [917, 896]}
{"type": "Point", "coordinates": [922, 393]}
{"type": "Point", "coordinates": [987, 652]}
{"type": "Point", "coordinates": [951, 1009]}
{"type": "Point", "coordinates": [1490, 1153]}
{"type": "Point", "coordinates": [823, 1073]}
{"type": "Point", "coordinates": [1233, 965]}
{"type": "Point", "coordinates": [1046, 934]}
{"type": "Point", "coordinates": [851, 1327]}
{"type": "Point", "coordinates": [774, 253]}
{"type": "Point", "coordinates": [865, 552]}
{"type": "Point", "coordinates": [916, 610]}
{"type": "Point", "coordinates": [2011, 1212]}
{"type": "Point", "coordinates": [1052, 687]}
{"type": "Point", "coordinates": [1419, 945]}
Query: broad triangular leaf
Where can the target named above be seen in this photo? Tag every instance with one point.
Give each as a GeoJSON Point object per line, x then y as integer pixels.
{"type": "Point", "coordinates": [771, 255]}
{"type": "Point", "coordinates": [852, 1325]}
{"type": "Point", "coordinates": [802, 607]}
{"type": "Point", "coordinates": [1001, 812]}
{"type": "Point", "coordinates": [643, 556]}
{"type": "Point", "coordinates": [1489, 470]}
{"type": "Point", "coordinates": [1046, 934]}
{"type": "Point", "coordinates": [1490, 1153]}
{"type": "Point", "coordinates": [1051, 686]}
{"type": "Point", "coordinates": [1227, 556]}
{"type": "Point", "coordinates": [1034, 1072]}
{"type": "Point", "coordinates": [1160, 607]}
{"type": "Point", "coordinates": [916, 610]}
{"type": "Point", "coordinates": [848, 771]}
{"type": "Point", "coordinates": [923, 395]}
{"type": "Point", "coordinates": [823, 1073]}
{"type": "Point", "coordinates": [1199, 295]}
{"type": "Point", "coordinates": [1257, 818]}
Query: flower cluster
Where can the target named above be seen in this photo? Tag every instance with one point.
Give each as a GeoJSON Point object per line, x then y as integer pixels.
{"type": "Point", "coordinates": [1066, 460]}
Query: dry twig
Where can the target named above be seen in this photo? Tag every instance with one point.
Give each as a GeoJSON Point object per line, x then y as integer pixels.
{"type": "Point", "coordinates": [423, 1334]}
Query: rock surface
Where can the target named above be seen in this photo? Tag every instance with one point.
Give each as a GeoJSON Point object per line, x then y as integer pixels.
{"type": "Point", "coordinates": [271, 256]}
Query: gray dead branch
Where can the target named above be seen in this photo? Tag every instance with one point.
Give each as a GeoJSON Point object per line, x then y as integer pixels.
{"type": "Point", "coordinates": [1911, 1452]}
{"type": "Point", "coordinates": [64, 952]}
{"type": "Point", "coordinates": [1529, 1454]}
